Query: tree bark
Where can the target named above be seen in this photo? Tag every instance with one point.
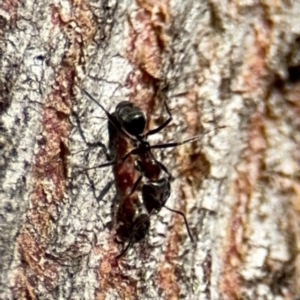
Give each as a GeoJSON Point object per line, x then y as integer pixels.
{"type": "Point", "coordinates": [229, 70]}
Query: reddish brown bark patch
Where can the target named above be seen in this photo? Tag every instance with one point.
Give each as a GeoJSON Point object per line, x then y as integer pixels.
{"type": "Point", "coordinates": [248, 171]}
{"type": "Point", "coordinates": [166, 279]}
{"type": "Point", "coordinates": [245, 184]}
{"type": "Point", "coordinates": [112, 278]}
{"type": "Point", "coordinates": [192, 164]}
{"type": "Point", "coordinates": [49, 173]}
{"type": "Point", "coordinates": [50, 167]}
{"type": "Point", "coordinates": [11, 7]}
{"type": "Point", "coordinates": [23, 289]}
{"type": "Point", "coordinates": [167, 275]}
{"type": "Point", "coordinates": [255, 63]}
{"type": "Point", "coordinates": [147, 43]}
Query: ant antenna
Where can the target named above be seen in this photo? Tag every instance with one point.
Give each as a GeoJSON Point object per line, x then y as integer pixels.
{"type": "Point", "coordinates": [176, 144]}
{"type": "Point", "coordinates": [99, 104]}
{"type": "Point", "coordinates": [109, 116]}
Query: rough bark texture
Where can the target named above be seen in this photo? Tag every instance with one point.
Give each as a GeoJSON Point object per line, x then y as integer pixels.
{"type": "Point", "coordinates": [216, 63]}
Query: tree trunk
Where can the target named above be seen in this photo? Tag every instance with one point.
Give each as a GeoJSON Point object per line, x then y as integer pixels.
{"type": "Point", "coordinates": [229, 71]}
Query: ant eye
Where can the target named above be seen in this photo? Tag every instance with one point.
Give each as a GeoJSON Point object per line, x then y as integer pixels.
{"type": "Point", "coordinates": [131, 118]}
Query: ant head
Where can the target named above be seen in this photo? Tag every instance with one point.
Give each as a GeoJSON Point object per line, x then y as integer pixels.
{"type": "Point", "coordinates": [140, 227]}
{"type": "Point", "coordinates": [156, 193]}
{"type": "Point", "coordinates": [131, 118]}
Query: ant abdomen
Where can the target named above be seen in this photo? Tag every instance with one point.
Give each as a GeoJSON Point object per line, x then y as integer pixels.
{"type": "Point", "coordinates": [155, 194]}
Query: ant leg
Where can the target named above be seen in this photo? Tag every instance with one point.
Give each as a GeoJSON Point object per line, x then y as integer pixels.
{"type": "Point", "coordinates": [136, 184]}
{"type": "Point", "coordinates": [97, 144]}
{"type": "Point", "coordinates": [164, 169]}
{"type": "Point", "coordinates": [185, 221]}
{"type": "Point", "coordinates": [113, 162]}
{"type": "Point", "coordinates": [164, 124]}
{"type": "Point", "coordinates": [176, 144]}
{"type": "Point", "coordinates": [124, 251]}
{"type": "Point", "coordinates": [107, 164]}
{"type": "Point", "coordinates": [92, 185]}
{"type": "Point", "coordinates": [109, 116]}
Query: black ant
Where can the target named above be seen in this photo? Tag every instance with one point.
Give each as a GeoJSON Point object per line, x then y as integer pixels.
{"type": "Point", "coordinates": [131, 219]}
{"type": "Point", "coordinates": [129, 120]}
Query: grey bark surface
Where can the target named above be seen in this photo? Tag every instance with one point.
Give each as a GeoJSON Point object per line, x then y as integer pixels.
{"type": "Point", "coordinates": [228, 69]}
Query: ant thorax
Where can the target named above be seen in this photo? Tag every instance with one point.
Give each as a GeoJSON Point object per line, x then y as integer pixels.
{"type": "Point", "coordinates": [155, 194]}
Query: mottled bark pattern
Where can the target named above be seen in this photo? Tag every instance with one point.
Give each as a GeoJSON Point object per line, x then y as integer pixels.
{"type": "Point", "coordinates": [217, 63]}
